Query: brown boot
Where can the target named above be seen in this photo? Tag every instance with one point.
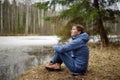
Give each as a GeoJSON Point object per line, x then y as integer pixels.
{"type": "Point", "coordinates": [53, 67]}
{"type": "Point", "coordinates": [49, 64]}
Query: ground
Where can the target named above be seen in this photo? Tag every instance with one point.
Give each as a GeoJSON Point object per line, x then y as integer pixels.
{"type": "Point", "coordinates": [104, 64]}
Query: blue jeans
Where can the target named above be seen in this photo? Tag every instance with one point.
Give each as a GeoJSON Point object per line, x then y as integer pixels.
{"type": "Point", "coordinates": [67, 59]}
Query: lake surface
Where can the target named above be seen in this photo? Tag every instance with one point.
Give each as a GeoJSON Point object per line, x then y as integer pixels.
{"type": "Point", "coordinates": [20, 53]}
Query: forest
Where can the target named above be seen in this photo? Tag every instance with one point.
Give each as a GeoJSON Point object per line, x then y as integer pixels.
{"type": "Point", "coordinates": [38, 18]}
{"type": "Point", "coordinates": [24, 19]}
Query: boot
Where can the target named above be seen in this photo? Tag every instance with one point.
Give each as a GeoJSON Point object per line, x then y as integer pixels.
{"type": "Point", "coordinates": [53, 67]}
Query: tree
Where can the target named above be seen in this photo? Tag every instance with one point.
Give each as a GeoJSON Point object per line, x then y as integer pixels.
{"type": "Point", "coordinates": [1, 17]}
{"type": "Point", "coordinates": [99, 21]}
{"type": "Point", "coordinates": [85, 11]}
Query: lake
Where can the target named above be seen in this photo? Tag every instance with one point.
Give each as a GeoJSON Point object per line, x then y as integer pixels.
{"type": "Point", "coordinates": [20, 53]}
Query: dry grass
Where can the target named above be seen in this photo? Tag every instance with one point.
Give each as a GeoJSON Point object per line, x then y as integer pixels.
{"type": "Point", "coordinates": [104, 64]}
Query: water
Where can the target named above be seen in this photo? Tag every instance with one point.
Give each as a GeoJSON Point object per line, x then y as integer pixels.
{"type": "Point", "coordinates": [20, 53]}
{"type": "Point", "coordinates": [112, 38]}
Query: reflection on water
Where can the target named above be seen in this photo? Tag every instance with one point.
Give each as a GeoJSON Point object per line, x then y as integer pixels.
{"type": "Point", "coordinates": [19, 54]}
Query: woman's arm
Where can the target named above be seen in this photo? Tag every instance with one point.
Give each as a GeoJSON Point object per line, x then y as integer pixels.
{"type": "Point", "coordinates": [74, 44]}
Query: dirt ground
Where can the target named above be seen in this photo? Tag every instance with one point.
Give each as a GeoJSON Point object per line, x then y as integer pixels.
{"type": "Point", "coordinates": [104, 64]}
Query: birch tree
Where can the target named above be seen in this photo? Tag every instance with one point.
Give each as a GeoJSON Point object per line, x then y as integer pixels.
{"type": "Point", "coordinates": [1, 17]}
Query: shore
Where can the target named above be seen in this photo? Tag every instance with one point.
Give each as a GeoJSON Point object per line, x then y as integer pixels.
{"type": "Point", "coordinates": [104, 64]}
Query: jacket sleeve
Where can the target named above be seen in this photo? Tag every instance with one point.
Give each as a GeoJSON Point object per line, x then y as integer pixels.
{"type": "Point", "coordinates": [74, 44]}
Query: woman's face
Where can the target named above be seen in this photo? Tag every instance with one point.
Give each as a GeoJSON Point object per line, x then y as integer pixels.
{"type": "Point", "coordinates": [74, 31]}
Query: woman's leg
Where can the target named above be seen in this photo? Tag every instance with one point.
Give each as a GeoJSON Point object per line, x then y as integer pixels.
{"type": "Point", "coordinates": [67, 59]}
{"type": "Point", "coordinates": [56, 59]}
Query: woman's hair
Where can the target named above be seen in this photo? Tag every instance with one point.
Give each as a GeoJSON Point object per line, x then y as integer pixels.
{"type": "Point", "coordinates": [79, 27]}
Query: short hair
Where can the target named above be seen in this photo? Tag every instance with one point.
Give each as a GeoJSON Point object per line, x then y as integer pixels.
{"type": "Point", "coordinates": [79, 27]}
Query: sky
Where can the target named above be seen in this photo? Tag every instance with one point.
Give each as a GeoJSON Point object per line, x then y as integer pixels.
{"type": "Point", "coordinates": [26, 0]}
{"type": "Point", "coordinates": [115, 6]}
{"type": "Point", "coordinates": [58, 7]}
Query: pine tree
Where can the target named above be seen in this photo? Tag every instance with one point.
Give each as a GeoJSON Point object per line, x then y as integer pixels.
{"type": "Point", "coordinates": [84, 12]}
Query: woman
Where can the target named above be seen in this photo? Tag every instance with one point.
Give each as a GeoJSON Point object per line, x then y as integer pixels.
{"type": "Point", "coordinates": [74, 54]}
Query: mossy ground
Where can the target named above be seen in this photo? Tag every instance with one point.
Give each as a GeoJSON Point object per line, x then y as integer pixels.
{"type": "Point", "coordinates": [104, 64]}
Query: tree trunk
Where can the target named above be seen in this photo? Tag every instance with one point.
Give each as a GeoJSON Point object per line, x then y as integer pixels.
{"type": "Point", "coordinates": [42, 21]}
{"type": "Point", "coordinates": [101, 30]}
{"type": "Point", "coordinates": [1, 17]}
{"type": "Point", "coordinates": [8, 13]}
{"type": "Point", "coordinates": [14, 16]}
{"type": "Point", "coordinates": [38, 18]}
{"type": "Point", "coordinates": [34, 21]}
{"type": "Point", "coordinates": [27, 15]}
{"type": "Point", "coordinates": [12, 19]}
